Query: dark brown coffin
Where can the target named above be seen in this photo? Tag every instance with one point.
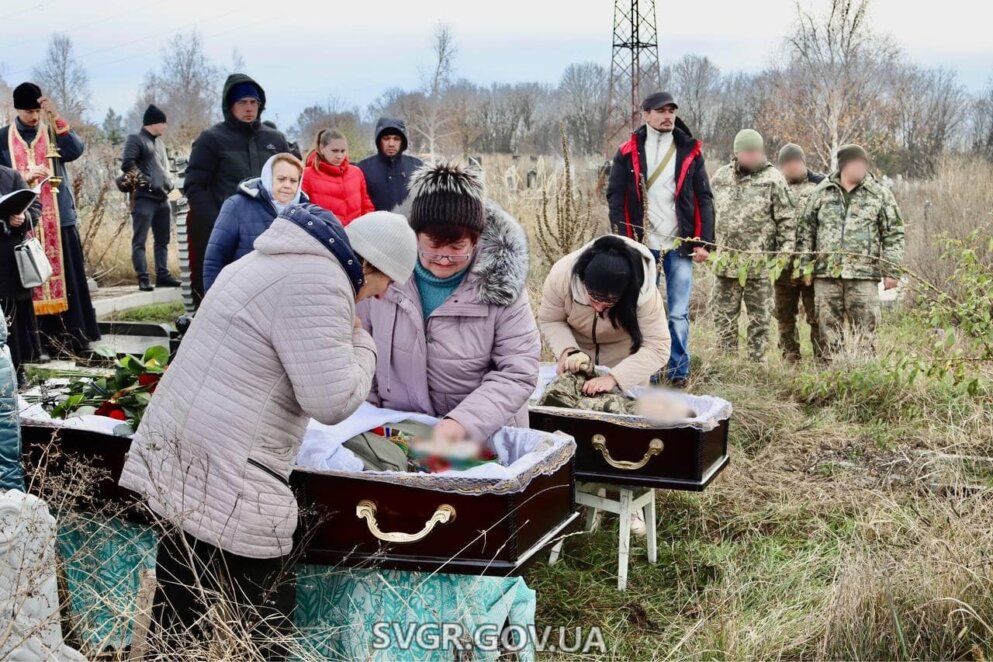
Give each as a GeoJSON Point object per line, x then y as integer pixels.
{"type": "Point", "coordinates": [689, 459]}
{"type": "Point", "coordinates": [491, 534]}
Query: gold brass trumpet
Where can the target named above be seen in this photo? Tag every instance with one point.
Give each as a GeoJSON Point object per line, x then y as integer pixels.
{"type": "Point", "coordinates": [53, 154]}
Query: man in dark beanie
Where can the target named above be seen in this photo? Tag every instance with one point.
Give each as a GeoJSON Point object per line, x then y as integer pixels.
{"type": "Point", "coordinates": [223, 156]}
{"type": "Point", "coordinates": [66, 318]}
{"type": "Point", "coordinates": [658, 193]}
{"type": "Point", "coordinates": [789, 288]}
{"type": "Point", "coordinates": [458, 340]}
{"type": "Point", "coordinates": [850, 236]}
{"type": "Point", "coordinates": [145, 160]}
{"type": "Point", "coordinates": [388, 171]}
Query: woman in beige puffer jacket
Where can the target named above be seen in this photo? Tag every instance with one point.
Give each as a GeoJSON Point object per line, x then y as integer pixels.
{"type": "Point", "coordinates": [275, 343]}
{"type": "Point", "coordinates": [619, 273]}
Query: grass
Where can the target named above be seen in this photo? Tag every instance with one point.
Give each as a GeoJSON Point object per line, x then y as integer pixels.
{"type": "Point", "coordinates": [826, 538]}
{"type": "Point", "coordinates": [162, 313]}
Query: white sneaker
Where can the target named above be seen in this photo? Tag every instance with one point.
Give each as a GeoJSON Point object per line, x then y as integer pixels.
{"type": "Point", "coordinates": [638, 526]}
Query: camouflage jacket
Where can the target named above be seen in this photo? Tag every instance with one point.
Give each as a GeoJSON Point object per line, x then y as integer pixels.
{"type": "Point", "coordinates": [801, 190]}
{"type": "Point", "coordinates": [753, 212]}
{"type": "Point", "coordinates": [865, 234]}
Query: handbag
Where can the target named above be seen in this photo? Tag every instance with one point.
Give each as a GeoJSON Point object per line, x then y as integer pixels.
{"type": "Point", "coordinates": [32, 264]}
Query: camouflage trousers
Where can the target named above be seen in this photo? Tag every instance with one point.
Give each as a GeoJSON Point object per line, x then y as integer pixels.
{"type": "Point", "coordinates": [756, 297]}
{"type": "Point", "coordinates": [790, 293]}
{"type": "Point", "coordinates": [566, 390]}
{"type": "Point", "coordinates": [846, 305]}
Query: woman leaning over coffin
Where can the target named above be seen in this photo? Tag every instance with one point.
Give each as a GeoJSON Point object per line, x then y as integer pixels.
{"type": "Point", "coordinates": [458, 340]}
{"type": "Point", "coordinates": [275, 343]}
{"type": "Point", "coordinates": [600, 303]}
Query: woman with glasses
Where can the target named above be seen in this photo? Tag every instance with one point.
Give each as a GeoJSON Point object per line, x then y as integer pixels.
{"type": "Point", "coordinates": [600, 305]}
{"type": "Point", "coordinates": [458, 340]}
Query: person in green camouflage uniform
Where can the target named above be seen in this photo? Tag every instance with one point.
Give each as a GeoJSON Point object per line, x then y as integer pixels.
{"type": "Point", "coordinates": [754, 213]}
{"type": "Point", "coordinates": [790, 290]}
{"type": "Point", "coordinates": [851, 235]}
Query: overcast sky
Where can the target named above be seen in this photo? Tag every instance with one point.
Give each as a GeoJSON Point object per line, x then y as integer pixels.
{"type": "Point", "coordinates": [302, 52]}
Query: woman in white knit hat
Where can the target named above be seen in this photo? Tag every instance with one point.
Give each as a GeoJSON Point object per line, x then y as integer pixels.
{"type": "Point", "coordinates": [275, 343]}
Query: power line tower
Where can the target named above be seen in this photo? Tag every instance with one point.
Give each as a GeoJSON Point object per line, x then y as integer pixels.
{"type": "Point", "coordinates": [634, 67]}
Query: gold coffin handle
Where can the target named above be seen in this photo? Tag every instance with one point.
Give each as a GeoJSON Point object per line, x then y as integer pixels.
{"type": "Point", "coordinates": [367, 510]}
{"type": "Point", "coordinates": [654, 448]}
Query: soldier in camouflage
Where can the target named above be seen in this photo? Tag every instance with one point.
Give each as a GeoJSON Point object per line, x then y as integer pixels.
{"type": "Point", "coordinates": [790, 289]}
{"type": "Point", "coordinates": [755, 221]}
{"type": "Point", "coordinates": [851, 235]}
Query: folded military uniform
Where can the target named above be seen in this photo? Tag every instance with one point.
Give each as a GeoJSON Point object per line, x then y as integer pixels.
{"type": "Point", "coordinates": [657, 405]}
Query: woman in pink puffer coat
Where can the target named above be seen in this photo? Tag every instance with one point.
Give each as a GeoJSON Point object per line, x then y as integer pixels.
{"type": "Point", "coordinates": [458, 340]}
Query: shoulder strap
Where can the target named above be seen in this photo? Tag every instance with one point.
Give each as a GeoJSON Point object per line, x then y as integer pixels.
{"type": "Point", "coordinates": [662, 165]}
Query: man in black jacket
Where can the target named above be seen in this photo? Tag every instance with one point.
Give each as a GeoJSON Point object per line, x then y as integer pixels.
{"type": "Point", "coordinates": [387, 172]}
{"type": "Point", "coordinates": [659, 193]}
{"type": "Point", "coordinates": [145, 158]}
{"type": "Point", "coordinates": [223, 156]}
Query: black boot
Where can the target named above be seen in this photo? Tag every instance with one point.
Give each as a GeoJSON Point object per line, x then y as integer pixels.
{"type": "Point", "coordinates": [144, 285]}
{"type": "Point", "coordinates": [167, 281]}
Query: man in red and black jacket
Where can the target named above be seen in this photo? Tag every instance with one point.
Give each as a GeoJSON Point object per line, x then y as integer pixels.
{"type": "Point", "coordinates": [659, 193]}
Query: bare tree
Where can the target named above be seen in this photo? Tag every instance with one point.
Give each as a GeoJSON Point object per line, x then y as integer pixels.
{"type": "Point", "coordinates": [187, 88]}
{"type": "Point", "coordinates": [695, 82]}
{"type": "Point", "coordinates": [584, 97]}
{"type": "Point", "coordinates": [63, 79]}
{"type": "Point", "coordinates": [431, 115]}
{"type": "Point", "coordinates": [333, 114]}
{"type": "Point", "coordinates": [838, 75]}
{"type": "Point", "coordinates": [930, 107]}
{"type": "Point", "coordinates": [981, 123]}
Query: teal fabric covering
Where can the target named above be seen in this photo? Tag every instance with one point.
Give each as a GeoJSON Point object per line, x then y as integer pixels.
{"type": "Point", "coordinates": [434, 290]}
{"type": "Point", "coordinates": [11, 470]}
{"type": "Point", "coordinates": [103, 560]}
{"type": "Point", "coordinates": [336, 607]}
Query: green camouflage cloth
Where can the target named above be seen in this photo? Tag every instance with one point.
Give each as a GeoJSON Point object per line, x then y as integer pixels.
{"type": "Point", "coordinates": [847, 305]}
{"type": "Point", "coordinates": [729, 297]}
{"type": "Point", "coordinates": [868, 227]}
{"type": "Point", "coordinates": [566, 390]}
{"type": "Point", "coordinates": [752, 212]}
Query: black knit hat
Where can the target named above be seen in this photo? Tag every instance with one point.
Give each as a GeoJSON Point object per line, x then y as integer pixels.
{"type": "Point", "coordinates": [153, 115]}
{"type": "Point", "coordinates": [607, 276]}
{"type": "Point", "coordinates": [26, 96]}
{"type": "Point", "coordinates": [446, 193]}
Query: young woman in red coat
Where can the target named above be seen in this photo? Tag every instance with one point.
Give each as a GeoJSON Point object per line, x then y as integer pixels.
{"type": "Point", "coordinates": [334, 183]}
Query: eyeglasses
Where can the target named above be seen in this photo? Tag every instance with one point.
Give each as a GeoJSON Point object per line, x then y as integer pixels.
{"type": "Point", "coordinates": [601, 299]}
{"type": "Point", "coordinates": [440, 259]}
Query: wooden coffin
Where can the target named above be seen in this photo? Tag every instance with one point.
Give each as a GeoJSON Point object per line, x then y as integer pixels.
{"type": "Point", "coordinates": [345, 520]}
{"type": "Point", "coordinates": [360, 522]}
{"type": "Point", "coordinates": [622, 452]}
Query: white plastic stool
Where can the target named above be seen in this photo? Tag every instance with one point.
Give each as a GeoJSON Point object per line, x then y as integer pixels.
{"type": "Point", "coordinates": [629, 500]}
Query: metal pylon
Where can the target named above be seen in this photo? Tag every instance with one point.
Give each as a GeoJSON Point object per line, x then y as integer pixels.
{"type": "Point", "coordinates": [634, 68]}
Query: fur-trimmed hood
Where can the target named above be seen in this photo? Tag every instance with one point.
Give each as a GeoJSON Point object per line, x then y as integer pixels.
{"type": "Point", "coordinates": [502, 258]}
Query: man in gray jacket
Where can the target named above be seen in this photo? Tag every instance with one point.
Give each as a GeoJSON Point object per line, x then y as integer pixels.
{"type": "Point", "coordinates": [145, 159]}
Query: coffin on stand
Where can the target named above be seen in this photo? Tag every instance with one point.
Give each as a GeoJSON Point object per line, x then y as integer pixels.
{"type": "Point", "coordinates": [619, 449]}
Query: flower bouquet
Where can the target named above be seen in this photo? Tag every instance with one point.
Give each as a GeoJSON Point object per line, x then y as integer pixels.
{"type": "Point", "coordinates": [122, 395]}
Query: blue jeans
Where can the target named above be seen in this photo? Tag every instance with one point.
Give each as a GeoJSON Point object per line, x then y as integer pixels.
{"type": "Point", "coordinates": [678, 272]}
